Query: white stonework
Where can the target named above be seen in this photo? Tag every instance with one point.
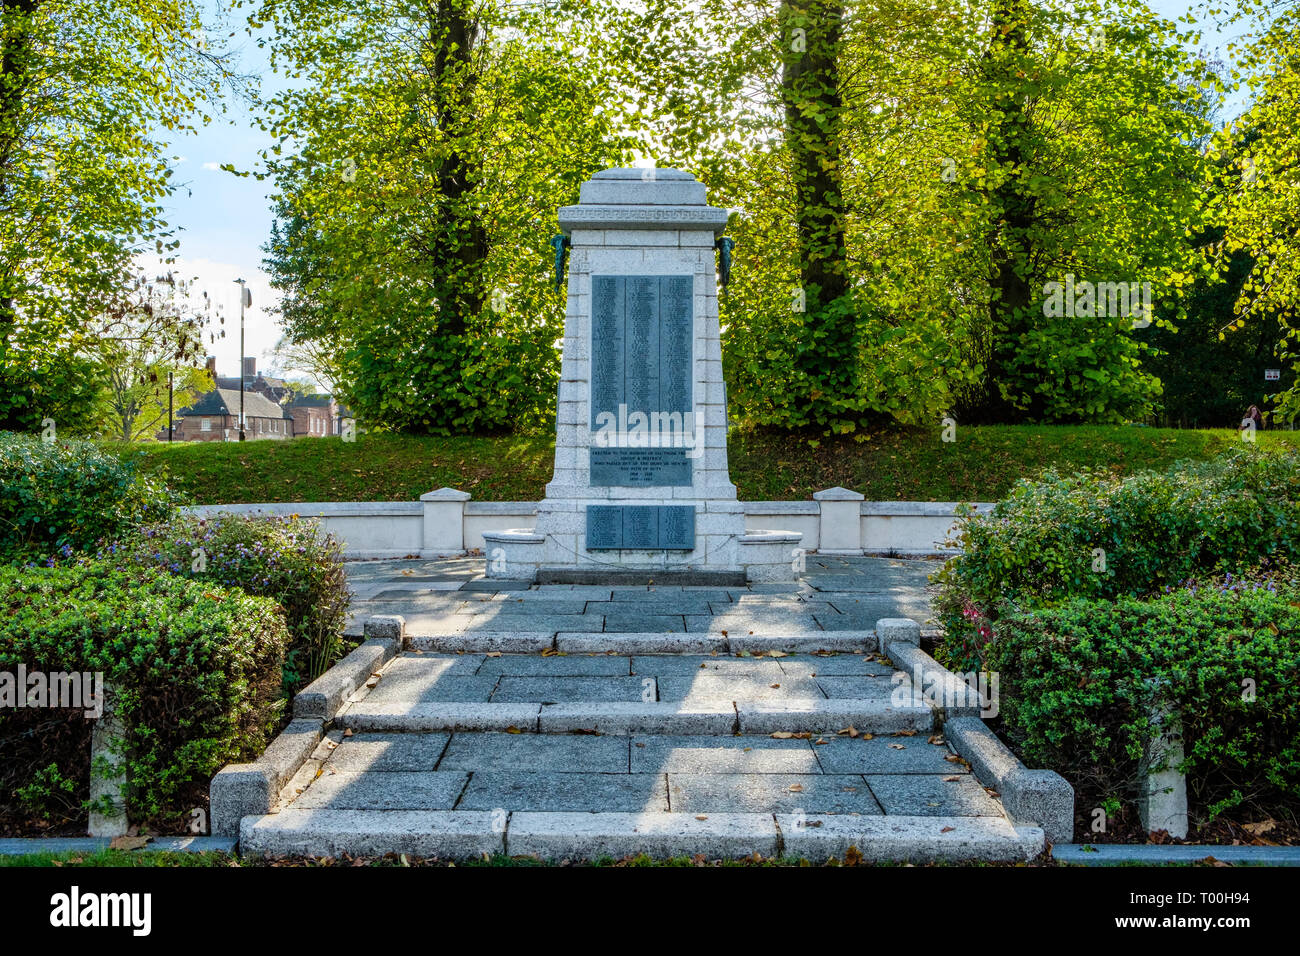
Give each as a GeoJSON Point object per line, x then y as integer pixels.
{"type": "Point", "coordinates": [640, 222]}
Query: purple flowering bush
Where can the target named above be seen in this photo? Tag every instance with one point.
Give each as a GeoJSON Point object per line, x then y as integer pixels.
{"type": "Point", "coordinates": [284, 558]}
{"type": "Point", "coordinates": [1095, 535]}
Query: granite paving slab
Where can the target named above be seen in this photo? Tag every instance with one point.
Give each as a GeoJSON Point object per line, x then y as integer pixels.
{"type": "Point", "coordinates": [835, 665]}
{"type": "Point", "coordinates": [886, 755]}
{"type": "Point", "coordinates": [560, 665]}
{"type": "Point", "coordinates": [550, 690]}
{"type": "Point", "coordinates": [706, 686]}
{"type": "Point", "coordinates": [933, 795]}
{"type": "Point", "coordinates": [692, 665]}
{"type": "Point", "coordinates": [706, 754]}
{"type": "Point", "coordinates": [544, 790]}
{"type": "Point", "coordinates": [377, 790]}
{"type": "Point", "coordinates": [384, 752]}
{"type": "Point", "coordinates": [516, 752]}
{"type": "Point", "coordinates": [432, 688]}
{"type": "Point", "coordinates": [770, 793]}
{"type": "Point", "coordinates": [860, 688]}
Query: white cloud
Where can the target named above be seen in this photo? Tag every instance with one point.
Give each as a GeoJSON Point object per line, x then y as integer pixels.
{"type": "Point", "coordinates": [212, 166]}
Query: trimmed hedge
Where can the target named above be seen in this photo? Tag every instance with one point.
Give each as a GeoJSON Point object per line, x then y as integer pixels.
{"type": "Point", "coordinates": [68, 495]}
{"type": "Point", "coordinates": [197, 667]}
{"type": "Point", "coordinates": [1099, 536]}
{"type": "Point", "coordinates": [282, 558]}
{"type": "Point", "coordinates": [1077, 690]}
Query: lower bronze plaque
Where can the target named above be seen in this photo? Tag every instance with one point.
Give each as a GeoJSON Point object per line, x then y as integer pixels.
{"type": "Point", "coordinates": [640, 527]}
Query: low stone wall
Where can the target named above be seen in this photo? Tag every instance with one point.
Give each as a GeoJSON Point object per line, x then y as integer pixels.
{"type": "Point", "coordinates": [448, 521]}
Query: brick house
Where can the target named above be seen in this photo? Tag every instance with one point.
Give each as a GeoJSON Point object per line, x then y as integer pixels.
{"type": "Point", "coordinates": [315, 415]}
{"type": "Point", "coordinates": [215, 417]}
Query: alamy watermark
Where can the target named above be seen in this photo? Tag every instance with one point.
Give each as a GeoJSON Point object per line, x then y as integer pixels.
{"type": "Point", "coordinates": [78, 690]}
{"type": "Point", "coordinates": [1072, 299]}
{"type": "Point", "coordinates": [972, 689]}
{"type": "Point", "coordinates": [650, 430]}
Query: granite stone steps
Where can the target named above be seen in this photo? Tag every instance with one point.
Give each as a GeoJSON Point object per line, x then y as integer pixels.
{"type": "Point", "coordinates": [587, 755]}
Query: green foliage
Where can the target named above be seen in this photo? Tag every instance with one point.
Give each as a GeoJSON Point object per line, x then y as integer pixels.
{"type": "Point", "coordinates": [1258, 202]}
{"type": "Point", "coordinates": [68, 495]}
{"type": "Point", "coordinates": [1209, 379]}
{"type": "Point", "coordinates": [88, 90]}
{"type": "Point", "coordinates": [197, 669]}
{"type": "Point", "coordinates": [1080, 681]}
{"type": "Point", "coordinates": [285, 559]}
{"type": "Point", "coordinates": [435, 143]}
{"type": "Point", "coordinates": [1099, 536]}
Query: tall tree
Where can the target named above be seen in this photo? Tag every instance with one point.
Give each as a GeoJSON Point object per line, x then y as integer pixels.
{"type": "Point", "coordinates": [88, 92]}
{"type": "Point", "coordinates": [1261, 210]}
{"type": "Point", "coordinates": [433, 141]}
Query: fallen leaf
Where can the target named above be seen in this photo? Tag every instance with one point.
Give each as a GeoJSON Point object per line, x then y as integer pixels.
{"type": "Point", "coordinates": [904, 733]}
{"type": "Point", "coordinates": [701, 816]}
{"type": "Point", "coordinates": [512, 729]}
{"type": "Point", "coordinates": [492, 654]}
{"type": "Point", "coordinates": [850, 731]}
{"type": "Point", "coordinates": [1259, 829]}
{"type": "Point", "coordinates": [795, 788]}
{"type": "Point", "coordinates": [936, 739]}
{"type": "Point", "coordinates": [782, 735]}
{"type": "Point", "coordinates": [820, 742]}
{"type": "Point", "coordinates": [776, 654]}
{"type": "Point", "coordinates": [952, 779]}
{"type": "Point", "coordinates": [774, 686]}
{"type": "Point", "coordinates": [128, 842]}
{"type": "Point", "coordinates": [897, 747]}
{"type": "Point", "coordinates": [947, 829]}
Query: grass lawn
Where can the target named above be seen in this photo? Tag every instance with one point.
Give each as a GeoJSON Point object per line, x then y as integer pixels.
{"type": "Point", "coordinates": [893, 465]}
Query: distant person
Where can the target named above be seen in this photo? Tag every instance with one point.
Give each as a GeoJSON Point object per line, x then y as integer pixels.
{"type": "Point", "coordinates": [1253, 415]}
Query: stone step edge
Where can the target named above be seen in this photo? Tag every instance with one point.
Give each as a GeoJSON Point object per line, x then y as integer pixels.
{"type": "Point", "coordinates": [690, 642]}
{"type": "Point", "coordinates": [555, 835]}
{"type": "Point", "coordinates": [627, 717]}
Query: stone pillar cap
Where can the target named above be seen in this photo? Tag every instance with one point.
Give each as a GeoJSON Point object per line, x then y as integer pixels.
{"type": "Point", "coordinates": [446, 494]}
{"type": "Point", "coordinates": [837, 493]}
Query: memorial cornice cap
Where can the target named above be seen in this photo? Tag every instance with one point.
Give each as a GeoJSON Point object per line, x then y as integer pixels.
{"type": "Point", "coordinates": [648, 198]}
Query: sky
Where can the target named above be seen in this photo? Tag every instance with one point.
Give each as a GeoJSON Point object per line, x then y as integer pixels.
{"type": "Point", "coordinates": [224, 220]}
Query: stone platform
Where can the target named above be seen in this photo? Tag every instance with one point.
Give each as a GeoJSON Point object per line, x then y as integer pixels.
{"type": "Point", "coordinates": [451, 596]}
{"type": "Point", "coordinates": [589, 755]}
{"type": "Point", "coordinates": [578, 722]}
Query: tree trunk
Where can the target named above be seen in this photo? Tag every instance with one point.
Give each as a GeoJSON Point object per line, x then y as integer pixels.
{"type": "Point", "coordinates": [810, 91]}
{"type": "Point", "coordinates": [461, 236]}
{"type": "Point", "coordinates": [15, 70]}
{"type": "Point", "coordinates": [1009, 239]}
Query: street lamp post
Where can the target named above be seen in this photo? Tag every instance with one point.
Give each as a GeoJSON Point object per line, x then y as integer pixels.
{"type": "Point", "coordinates": [245, 299]}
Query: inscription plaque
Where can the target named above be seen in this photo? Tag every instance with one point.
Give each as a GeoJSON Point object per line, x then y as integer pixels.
{"type": "Point", "coordinates": [640, 527]}
{"type": "Point", "coordinates": [642, 376]}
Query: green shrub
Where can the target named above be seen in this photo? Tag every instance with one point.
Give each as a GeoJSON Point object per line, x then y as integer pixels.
{"type": "Point", "coordinates": [1079, 682]}
{"type": "Point", "coordinates": [1096, 535]}
{"type": "Point", "coordinates": [282, 558]}
{"type": "Point", "coordinates": [197, 672]}
{"type": "Point", "coordinates": [68, 495]}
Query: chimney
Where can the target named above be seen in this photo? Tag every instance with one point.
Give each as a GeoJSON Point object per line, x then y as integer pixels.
{"type": "Point", "coordinates": [250, 367]}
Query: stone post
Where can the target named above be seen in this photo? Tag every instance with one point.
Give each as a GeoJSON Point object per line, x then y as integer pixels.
{"type": "Point", "coordinates": [108, 770]}
{"type": "Point", "coordinates": [840, 526]}
{"type": "Point", "coordinates": [1162, 790]}
{"type": "Point", "coordinates": [444, 522]}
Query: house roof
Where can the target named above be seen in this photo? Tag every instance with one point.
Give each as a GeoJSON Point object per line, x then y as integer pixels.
{"type": "Point", "coordinates": [315, 401]}
{"type": "Point", "coordinates": [225, 401]}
